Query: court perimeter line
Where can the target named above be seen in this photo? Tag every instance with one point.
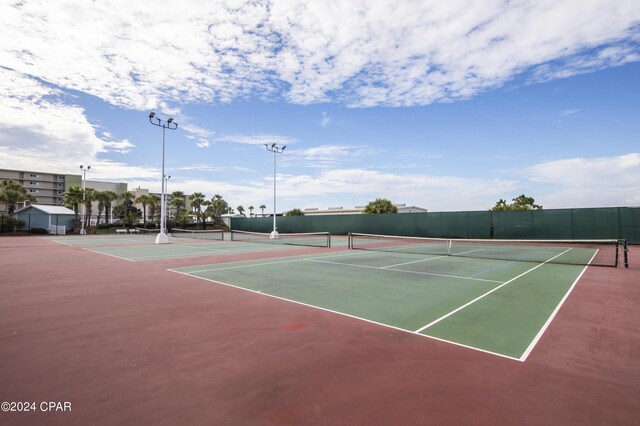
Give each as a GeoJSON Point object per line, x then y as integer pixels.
{"type": "Point", "coordinates": [487, 293]}
{"type": "Point", "coordinates": [535, 340]}
{"type": "Point", "coordinates": [346, 315]}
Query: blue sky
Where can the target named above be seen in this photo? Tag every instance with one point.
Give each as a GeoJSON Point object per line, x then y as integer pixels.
{"type": "Point", "coordinates": [444, 106]}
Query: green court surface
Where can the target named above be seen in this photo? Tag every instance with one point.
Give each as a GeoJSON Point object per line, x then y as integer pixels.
{"type": "Point", "coordinates": [500, 307]}
{"type": "Point", "coordinates": [141, 248]}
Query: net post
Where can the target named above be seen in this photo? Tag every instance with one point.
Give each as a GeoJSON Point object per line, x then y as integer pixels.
{"type": "Point", "coordinates": [349, 241]}
{"type": "Point", "coordinates": [328, 240]}
{"type": "Point", "coordinates": [617, 252]}
{"type": "Point", "coordinates": [625, 248]}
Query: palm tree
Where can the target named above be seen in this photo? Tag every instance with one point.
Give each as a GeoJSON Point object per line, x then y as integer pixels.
{"type": "Point", "coordinates": [145, 200]}
{"type": "Point", "coordinates": [251, 211]}
{"type": "Point", "coordinates": [262, 207]}
{"type": "Point", "coordinates": [177, 201]}
{"type": "Point", "coordinates": [154, 202]}
{"type": "Point", "coordinates": [131, 218]}
{"type": "Point", "coordinates": [89, 195]}
{"type": "Point", "coordinates": [197, 199]}
{"type": "Point", "coordinates": [240, 210]}
{"type": "Point", "coordinates": [109, 197]}
{"type": "Point", "coordinates": [208, 211]}
{"type": "Point", "coordinates": [72, 198]}
{"type": "Point", "coordinates": [101, 198]}
{"type": "Point", "coordinates": [218, 207]}
{"type": "Point", "coordinates": [11, 193]}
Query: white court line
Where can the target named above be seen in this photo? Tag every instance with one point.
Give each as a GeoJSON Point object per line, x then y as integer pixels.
{"type": "Point", "coordinates": [413, 261]}
{"type": "Point", "coordinates": [526, 353]}
{"type": "Point", "coordinates": [487, 293]}
{"type": "Point", "coordinates": [238, 266]}
{"type": "Point", "coordinates": [381, 268]}
{"type": "Point", "coordinates": [298, 258]}
{"type": "Point", "coordinates": [107, 254]}
{"type": "Point", "coordinates": [345, 314]}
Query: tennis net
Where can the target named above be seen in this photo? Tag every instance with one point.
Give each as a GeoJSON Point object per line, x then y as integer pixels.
{"type": "Point", "coordinates": [199, 234]}
{"type": "Point", "coordinates": [308, 239]}
{"type": "Point", "coordinates": [573, 252]}
{"type": "Point", "coordinates": [145, 231]}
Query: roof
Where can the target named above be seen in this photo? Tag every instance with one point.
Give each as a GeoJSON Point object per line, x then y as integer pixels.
{"type": "Point", "coordinates": [48, 209]}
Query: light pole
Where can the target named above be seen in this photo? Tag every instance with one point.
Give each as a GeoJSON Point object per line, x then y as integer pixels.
{"type": "Point", "coordinates": [171, 125]}
{"type": "Point", "coordinates": [84, 191]}
{"type": "Point", "coordinates": [276, 150]}
{"type": "Point", "coordinates": [166, 189]}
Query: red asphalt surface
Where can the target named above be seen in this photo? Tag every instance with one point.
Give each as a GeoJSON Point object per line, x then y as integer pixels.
{"type": "Point", "coordinates": [132, 343]}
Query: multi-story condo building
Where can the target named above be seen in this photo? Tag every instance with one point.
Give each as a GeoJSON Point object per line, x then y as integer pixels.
{"type": "Point", "coordinates": [48, 188]}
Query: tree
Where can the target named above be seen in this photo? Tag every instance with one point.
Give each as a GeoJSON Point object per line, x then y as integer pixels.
{"type": "Point", "coordinates": [218, 207]}
{"type": "Point", "coordinates": [109, 197]}
{"type": "Point", "coordinates": [145, 200]}
{"type": "Point", "coordinates": [131, 218]}
{"type": "Point", "coordinates": [154, 202]}
{"type": "Point", "coordinates": [89, 196]}
{"type": "Point", "coordinates": [295, 212]}
{"type": "Point", "coordinates": [127, 201]}
{"type": "Point", "coordinates": [178, 201]}
{"type": "Point", "coordinates": [11, 193]}
{"type": "Point", "coordinates": [521, 202]}
{"type": "Point", "coordinates": [197, 201]}
{"type": "Point", "coordinates": [262, 207]}
{"type": "Point", "coordinates": [182, 217]}
{"type": "Point", "coordinates": [380, 206]}
{"type": "Point", "coordinates": [251, 211]}
{"type": "Point", "coordinates": [100, 197]}
{"type": "Point", "coordinates": [72, 198]}
{"type": "Point", "coordinates": [240, 210]}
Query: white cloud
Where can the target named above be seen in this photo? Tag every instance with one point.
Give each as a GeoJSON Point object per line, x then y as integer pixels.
{"type": "Point", "coordinates": [326, 155]}
{"type": "Point", "coordinates": [588, 182]}
{"type": "Point", "coordinates": [257, 139]}
{"type": "Point", "coordinates": [568, 112]}
{"type": "Point", "coordinates": [573, 182]}
{"type": "Point", "coordinates": [325, 120]}
{"type": "Point", "coordinates": [359, 52]}
{"type": "Point", "coordinates": [122, 147]}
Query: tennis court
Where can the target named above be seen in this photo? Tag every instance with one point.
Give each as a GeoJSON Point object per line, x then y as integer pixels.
{"type": "Point", "coordinates": [184, 244]}
{"type": "Point", "coordinates": [499, 306]}
{"type": "Point", "coordinates": [319, 335]}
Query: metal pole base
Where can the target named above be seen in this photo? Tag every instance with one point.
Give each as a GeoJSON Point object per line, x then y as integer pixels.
{"type": "Point", "coordinates": [162, 238]}
{"type": "Point", "coordinates": [274, 235]}
{"type": "Point", "coordinates": [83, 232]}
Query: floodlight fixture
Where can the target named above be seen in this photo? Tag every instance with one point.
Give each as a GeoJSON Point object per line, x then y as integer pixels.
{"type": "Point", "coordinates": [170, 120]}
{"type": "Point", "coordinates": [152, 114]}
